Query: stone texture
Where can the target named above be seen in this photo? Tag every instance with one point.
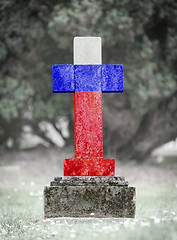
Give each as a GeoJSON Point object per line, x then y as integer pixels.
{"type": "Point", "coordinates": [87, 77]}
{"type": "Point", "coordinates": [63, 78]}
{"type": "Point", "coordinates": [88, 124]}
{"type": "Point", "coordinates": [89, 167]}
{"type": "Point", "coordinates": [112, 78]}
{"type": "Point", "coordinates": [71, 78]}
{"type": "Point", "coordinates": [89, 197]}
{"type": "Point", "coordinates": [85, 181]}
{"type": "Point", "coordinates": [87, 50]}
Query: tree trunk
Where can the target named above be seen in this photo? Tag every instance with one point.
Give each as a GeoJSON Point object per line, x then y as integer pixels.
{"type": "Point", "coordinates": [137, 139]}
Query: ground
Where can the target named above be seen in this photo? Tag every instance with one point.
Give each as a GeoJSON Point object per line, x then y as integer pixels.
{"type": "Point", "coordinates": [23, 176]}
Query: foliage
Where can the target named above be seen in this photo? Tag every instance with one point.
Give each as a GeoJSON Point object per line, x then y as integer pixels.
{"type": "Point", "coordinates": [36, 34]}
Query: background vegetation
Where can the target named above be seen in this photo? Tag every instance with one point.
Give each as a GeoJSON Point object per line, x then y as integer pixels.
{"type": "Point", "coordinates": [139, 34]}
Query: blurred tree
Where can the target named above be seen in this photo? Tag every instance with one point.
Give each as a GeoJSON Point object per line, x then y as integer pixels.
{"type": "Point", "coordinates": [140, 34]}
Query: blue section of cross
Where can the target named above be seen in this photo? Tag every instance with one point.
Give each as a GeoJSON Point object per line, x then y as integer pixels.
{"type": "Point", "coordinates": [71, 78]}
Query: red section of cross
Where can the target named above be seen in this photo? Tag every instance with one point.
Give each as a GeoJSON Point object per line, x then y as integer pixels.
{"type": "Point", "coordinates": [88, 138]}
{"type": "Point", "coordinates": [88, 124]}
{"type": "Point", "coordinates": [88, 159]}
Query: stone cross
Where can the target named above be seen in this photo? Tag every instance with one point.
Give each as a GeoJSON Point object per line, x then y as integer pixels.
{"type": "Point", "coordinates": [88, 78]}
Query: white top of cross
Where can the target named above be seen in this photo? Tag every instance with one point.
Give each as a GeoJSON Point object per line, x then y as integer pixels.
{"type": "Point", "coordinates": [87, 50]}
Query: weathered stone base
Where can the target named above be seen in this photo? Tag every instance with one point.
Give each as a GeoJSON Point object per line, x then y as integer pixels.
{"type": "Point", "coordinates": [89, 197]}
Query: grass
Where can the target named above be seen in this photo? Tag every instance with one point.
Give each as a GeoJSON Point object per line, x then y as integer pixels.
{"type": "Point", "coordinates": [21, 216]}
{"type": "Point", "coordinates": [21, 202]}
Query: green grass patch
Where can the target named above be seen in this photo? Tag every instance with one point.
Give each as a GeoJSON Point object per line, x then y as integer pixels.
{"type": "Point", "coordinates": [21, 216]}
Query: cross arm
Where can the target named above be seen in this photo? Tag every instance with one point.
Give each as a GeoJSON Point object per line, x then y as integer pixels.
{"type": "Point", "coordinates": [105, 78]}
{"type": "Point", "coordinates": [112, 78]}
{"type": "Point", "coordinates": [63, 78]}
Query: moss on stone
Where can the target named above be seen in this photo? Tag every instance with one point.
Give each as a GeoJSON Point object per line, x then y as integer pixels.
{"type": "Point", "coordinates": [82, 200]}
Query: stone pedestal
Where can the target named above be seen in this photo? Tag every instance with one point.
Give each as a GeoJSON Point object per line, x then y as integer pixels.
{"type": "Point", "coordinates": [89, 197]}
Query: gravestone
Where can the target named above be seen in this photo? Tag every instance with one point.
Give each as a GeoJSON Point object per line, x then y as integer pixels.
{"type": "Point", "coordinates": [89, 187]}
